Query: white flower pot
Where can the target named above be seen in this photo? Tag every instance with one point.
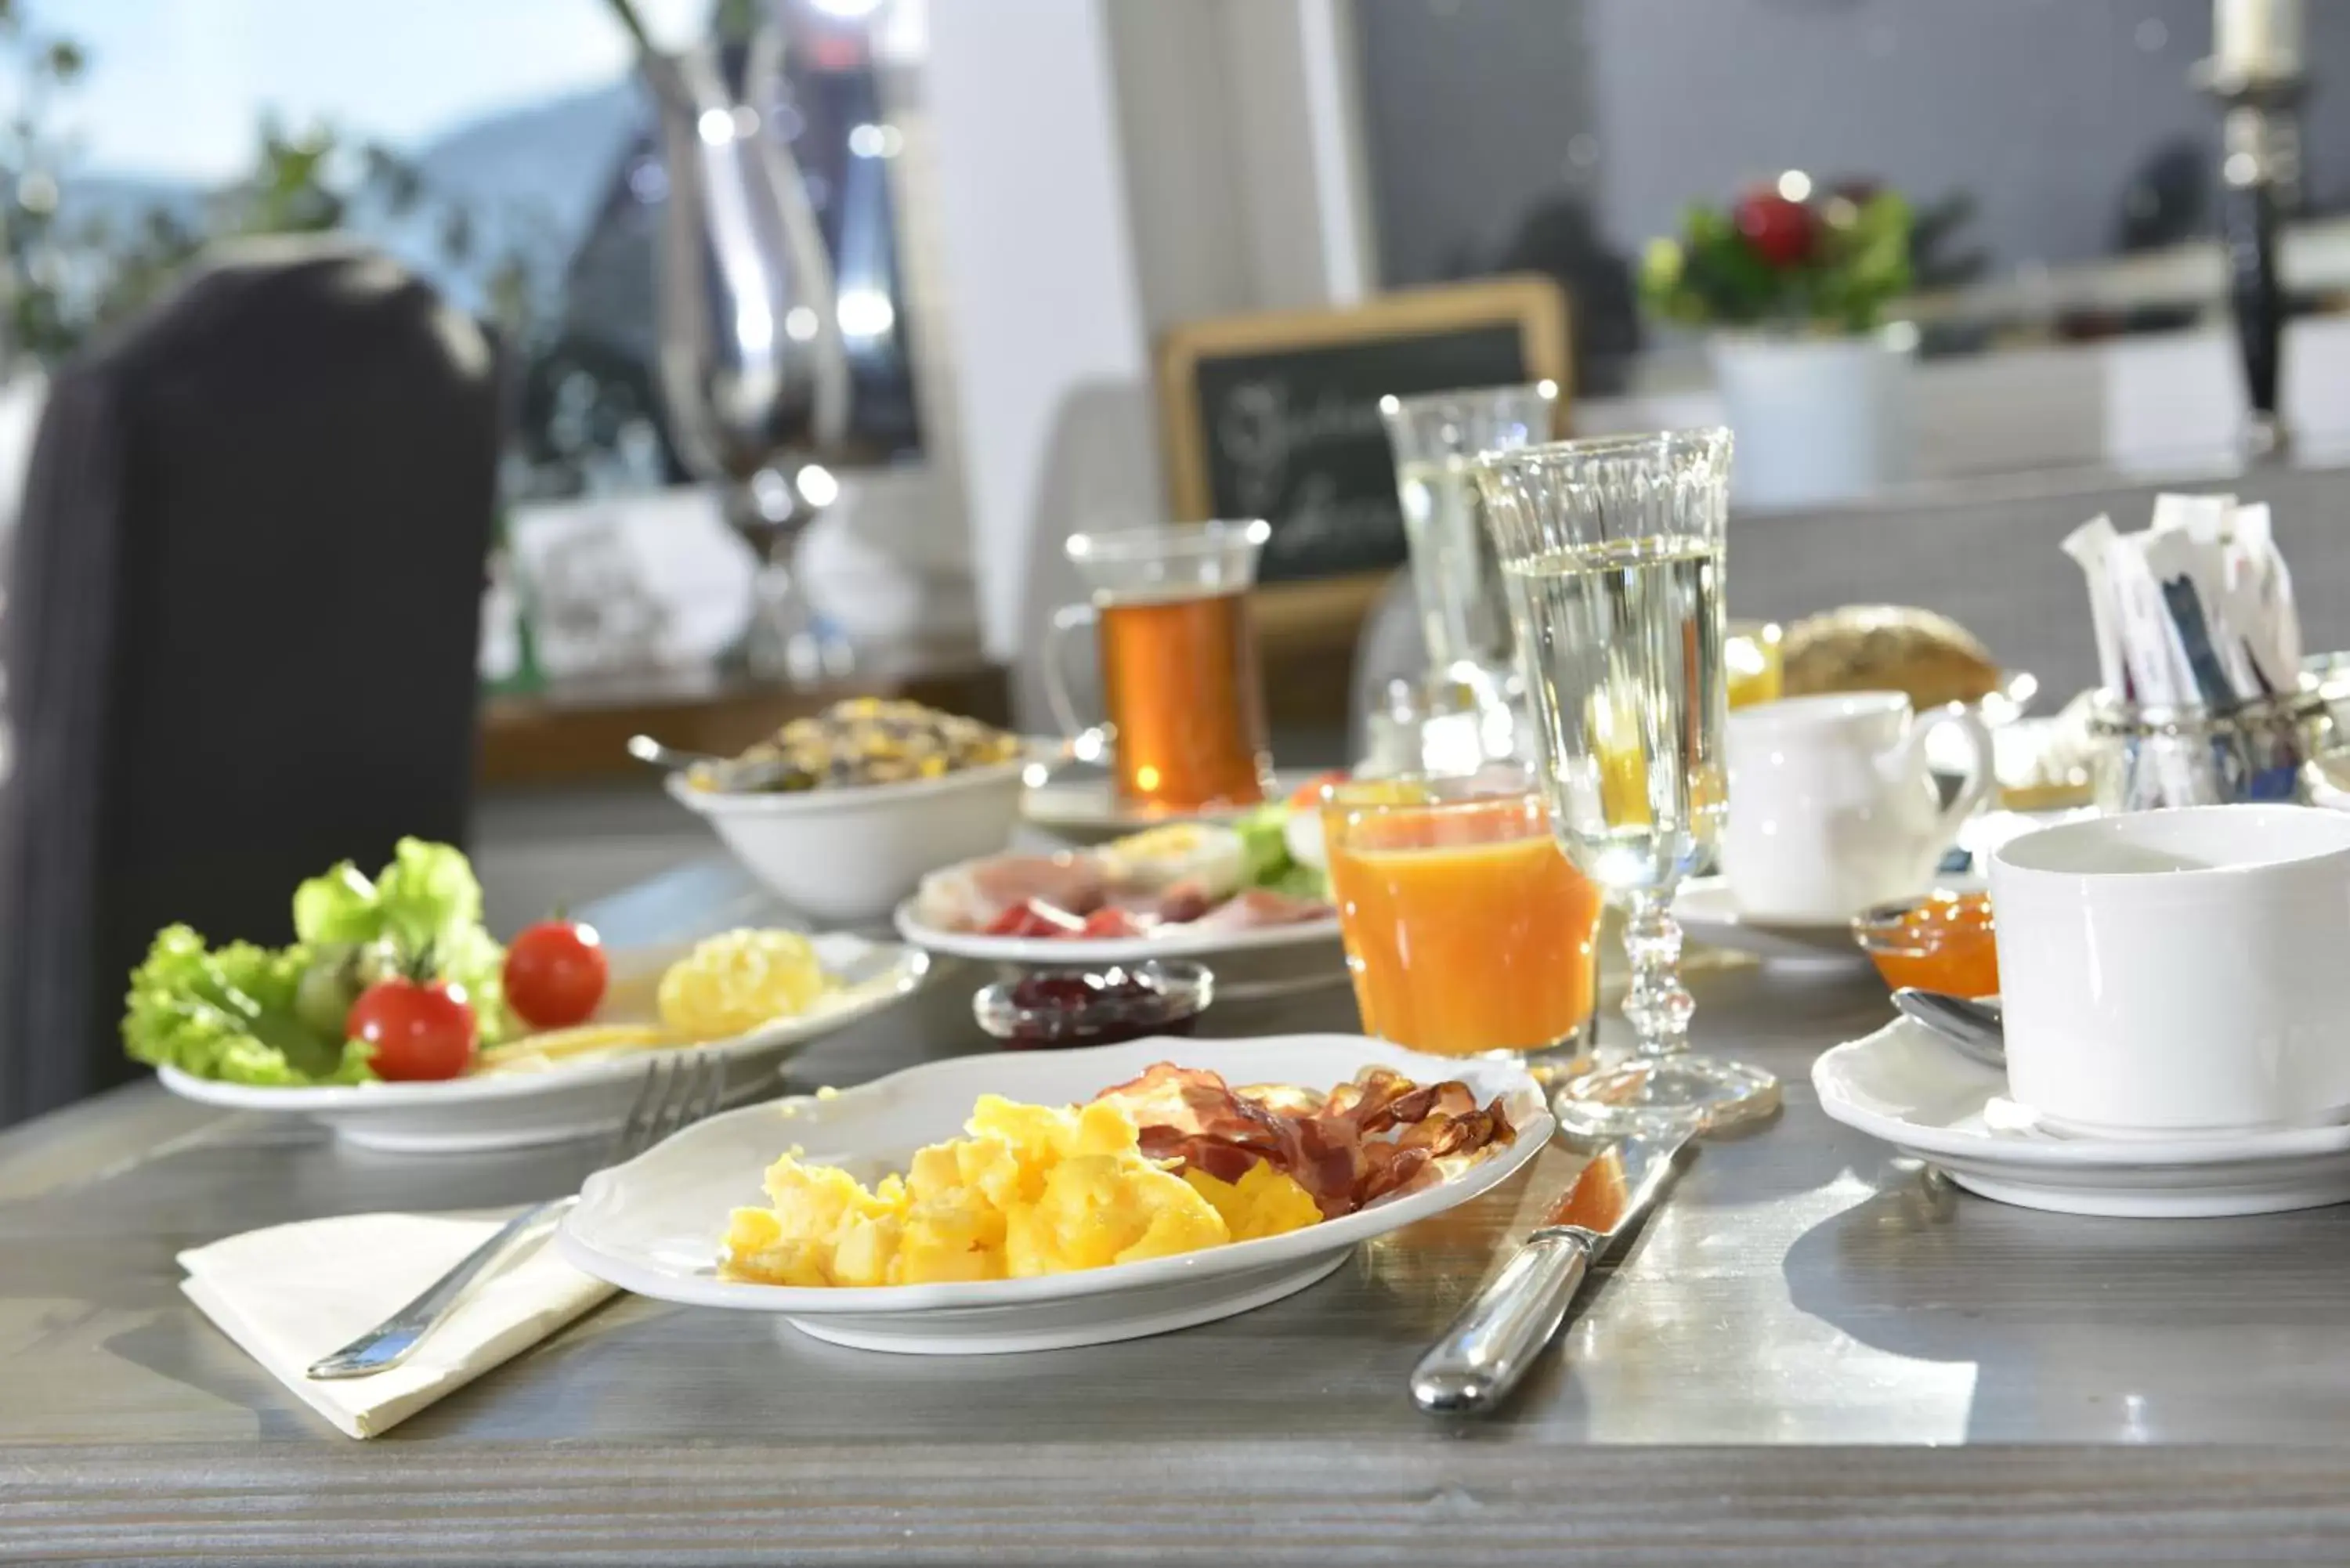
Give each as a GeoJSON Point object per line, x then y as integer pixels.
{"type": "Point", "coordinates": [1816, 419]}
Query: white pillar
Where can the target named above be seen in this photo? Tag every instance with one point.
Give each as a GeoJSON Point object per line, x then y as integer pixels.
{"type": "Point", "coordinates": [1107, 168]}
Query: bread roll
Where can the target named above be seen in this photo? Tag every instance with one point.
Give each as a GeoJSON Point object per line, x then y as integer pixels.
{"type": "Point", "coordinates": [1888, 648]}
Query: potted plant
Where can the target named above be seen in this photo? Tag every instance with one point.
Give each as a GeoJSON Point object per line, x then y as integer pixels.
{"type": "Point", "coordinates": [1793, 290]}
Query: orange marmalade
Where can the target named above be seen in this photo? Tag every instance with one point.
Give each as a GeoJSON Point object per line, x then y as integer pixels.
{"type": "Point", "coordinates": [1943, 941]}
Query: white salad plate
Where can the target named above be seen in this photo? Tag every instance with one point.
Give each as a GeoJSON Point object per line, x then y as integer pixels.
{"type": "Point", "coordinates": [571, 1099]}
{"type": "Point", "coordinates": [1904, 1085]}
{"type": "Point", "coordinates": [1084, 805]}
{"type": "Point", "coordinates": [653, 1225]}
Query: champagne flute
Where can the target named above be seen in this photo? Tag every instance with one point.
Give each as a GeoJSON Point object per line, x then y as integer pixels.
{"type": "Point", "coordinates": [1612, 552]}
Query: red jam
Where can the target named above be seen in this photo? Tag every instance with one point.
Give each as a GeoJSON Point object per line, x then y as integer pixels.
{"type": "Point", "coordinates": [1056, 1008]}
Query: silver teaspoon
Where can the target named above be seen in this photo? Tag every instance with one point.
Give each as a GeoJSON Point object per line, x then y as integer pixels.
{"type": "Point", "coordinates": [1975, 1028]}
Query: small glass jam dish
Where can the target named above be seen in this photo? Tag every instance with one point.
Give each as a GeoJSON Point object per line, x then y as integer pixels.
{"type": "Point", "coordinates": [1938, 941]}
{"type": "Point", "coordinates": [1050, 1009]}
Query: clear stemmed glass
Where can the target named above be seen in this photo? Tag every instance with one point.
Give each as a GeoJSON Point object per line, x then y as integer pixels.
{"type": "Point", "coordinates": [1463, 609]}
{"type": "Point", "coordinates": [1612, 552]}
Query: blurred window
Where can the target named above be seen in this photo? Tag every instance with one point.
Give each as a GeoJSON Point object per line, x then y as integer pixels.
{"type": "Point", "coordinates": [502, 147]}
{"type": "Point", "coordinates": [2034, 136]}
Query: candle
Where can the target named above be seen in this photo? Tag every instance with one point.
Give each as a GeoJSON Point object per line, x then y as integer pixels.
{"type": "Point", "coordinates": [2257, 38]}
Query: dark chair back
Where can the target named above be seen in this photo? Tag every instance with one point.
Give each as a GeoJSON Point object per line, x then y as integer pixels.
{"type": "Point", "coordinates": [240, 630]}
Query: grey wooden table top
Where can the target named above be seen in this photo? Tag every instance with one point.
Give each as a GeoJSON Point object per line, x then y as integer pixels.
{"type": "Point", "coordinates": [1778, 1370]}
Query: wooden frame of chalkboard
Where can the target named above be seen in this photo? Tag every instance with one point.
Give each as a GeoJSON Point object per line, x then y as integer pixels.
{"type": "Point", "coordinates": [1267, 387]}
{"type": "Point", "coordinates": [1308, 621]}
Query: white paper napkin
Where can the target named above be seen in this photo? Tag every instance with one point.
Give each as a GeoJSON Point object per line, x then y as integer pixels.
{"type": "Point", "coordinates": [292, 1293]}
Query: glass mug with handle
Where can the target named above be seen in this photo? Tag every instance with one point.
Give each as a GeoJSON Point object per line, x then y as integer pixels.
{"type": "Point", "coordinates": [1185, 701]}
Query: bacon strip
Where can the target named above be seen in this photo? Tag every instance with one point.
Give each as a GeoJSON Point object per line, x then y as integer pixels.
{"type": "Point", "coordinates": [1377, 1137]}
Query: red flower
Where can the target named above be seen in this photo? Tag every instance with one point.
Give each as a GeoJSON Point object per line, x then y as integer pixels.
{"type": "Point", "coordinates": [1780, 230]}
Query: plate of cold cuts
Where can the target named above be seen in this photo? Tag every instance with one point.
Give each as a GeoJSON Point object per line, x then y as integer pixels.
{"type": "Point", "coordinates": [1191, 889]}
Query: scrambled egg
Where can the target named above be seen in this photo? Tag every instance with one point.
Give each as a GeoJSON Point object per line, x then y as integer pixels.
{"type": "Point", "coordinates": [731, 984]}
{"type": "Point", "coordinates": [1214, 856]}
{"type": "Point", "coordinates": [1034, 1189]}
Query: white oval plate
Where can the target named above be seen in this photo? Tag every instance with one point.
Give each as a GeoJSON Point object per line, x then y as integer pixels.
{"type": "Point", "coordinates": [515, 1109]}
{"type": "Point", "coordinates": [1170, 941]}
{"type": "Point", "coordinates": [1903, 1086]}
{"type": "Point", "coordinates": [652, 1226]}
{"type": "Point", "coordinates": [1088, 808]}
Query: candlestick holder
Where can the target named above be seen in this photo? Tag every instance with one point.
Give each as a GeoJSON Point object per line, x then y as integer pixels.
{"type": "Point", "coordinates": [2260, 181]}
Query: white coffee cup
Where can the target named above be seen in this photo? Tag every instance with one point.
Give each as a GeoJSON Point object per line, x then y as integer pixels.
{"type": "Point", "coordinates": [2178, 972]}
{"type": "Point", "coordinates": [1832, 806]}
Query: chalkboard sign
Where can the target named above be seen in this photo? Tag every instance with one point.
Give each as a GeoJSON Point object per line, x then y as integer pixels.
{"type": "Point", "coordinates": [1277, 416]}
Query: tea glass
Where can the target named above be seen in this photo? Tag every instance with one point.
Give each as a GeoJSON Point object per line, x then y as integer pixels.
{"type": "Point", "coordinates": [1185, 703]}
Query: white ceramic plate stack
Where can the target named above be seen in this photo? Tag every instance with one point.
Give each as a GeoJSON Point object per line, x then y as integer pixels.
{"type": "Point", "coordinates": [653, 1225]}
{"type": "Point", "coordinates": [514, 1110]}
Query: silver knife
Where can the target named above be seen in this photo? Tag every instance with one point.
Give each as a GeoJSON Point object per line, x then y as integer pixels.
{"type": "Point", "coordinates": [1497, 1336]}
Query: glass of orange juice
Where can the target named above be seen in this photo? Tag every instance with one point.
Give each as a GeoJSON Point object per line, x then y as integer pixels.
{"type": "Point", "coordinates": [1467, 930]}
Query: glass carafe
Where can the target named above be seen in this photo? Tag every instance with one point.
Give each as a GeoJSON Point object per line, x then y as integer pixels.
{"type": "Point", "coordinates": [1456, 576]}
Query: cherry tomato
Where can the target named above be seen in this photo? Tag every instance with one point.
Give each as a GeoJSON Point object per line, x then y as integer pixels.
{"type": "Point", "coordinates": [1307, 797]}
{"type": "Point", "coordinates": [418, 1032]}
{"type": "Point", "coordinates": [1036, 918]}
{"type": "Point", "coordinates": [555, 974]}
{"type": "Point", "coordinates": [1779, 230]}
{"type": "Point", "coordinates": [1103, 923]}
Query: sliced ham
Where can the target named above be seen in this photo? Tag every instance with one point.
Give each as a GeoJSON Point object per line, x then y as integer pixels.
{"type": "Point", "coordinates": [1060, 892]}
{"type": "Point", "coordinates": [1260, 907]}
{"type": "Point", "coordinates": [973, 896]}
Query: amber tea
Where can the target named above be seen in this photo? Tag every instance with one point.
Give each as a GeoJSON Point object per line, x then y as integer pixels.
{"type": "Point", "coordinates": [1186, 704]}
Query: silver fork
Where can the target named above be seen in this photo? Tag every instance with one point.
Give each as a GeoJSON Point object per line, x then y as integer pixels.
{"type": "Point", "coordinates": [679, 1089]}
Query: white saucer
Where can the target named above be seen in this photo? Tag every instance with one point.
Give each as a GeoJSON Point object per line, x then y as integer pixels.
{"type": "Point", "coordinates": [1081, 803]}
{"type": "Point", "coordinates": [1904, 1085]}
{"type": "Point", "coordinates": [1707, 912]}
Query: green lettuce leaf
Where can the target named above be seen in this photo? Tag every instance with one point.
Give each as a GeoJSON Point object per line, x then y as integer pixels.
{"type": "Point", "coordinates": [1300, 880]}
{"type": "Point", "coordinates": [427, 896]}
{"type": "Point", "coordinates": [426, 901]}
{"type": "Point", "coordinates": [1265, 852]}
{"type": "Point", "coordinates": [229, 1014]}
{"type": "Point", "coordinates": [337, 909]}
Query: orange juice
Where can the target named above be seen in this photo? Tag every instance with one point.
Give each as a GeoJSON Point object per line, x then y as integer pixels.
{"type": "Point", "coordinates": [1466, 929]}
